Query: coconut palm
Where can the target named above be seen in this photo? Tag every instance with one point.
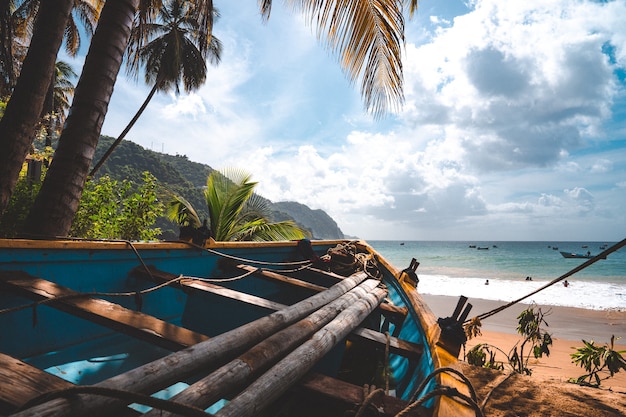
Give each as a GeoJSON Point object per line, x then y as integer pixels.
{"type": "Point", "coordinates": [58, 98]}
{"type": "Point", "coordinates": [177, 53]}
{"type": "Point", "coordinates": [24, 109]}
{"type": "Point", "coordinates": [52, 23]}
{"type": "Point", "coordinates": [235, 211]}
{"type": "Point", "coordinates": [366, 35]}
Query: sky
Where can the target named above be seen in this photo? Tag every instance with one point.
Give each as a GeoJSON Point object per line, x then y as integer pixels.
{"type": "Point", "coordinates": [513, 126]}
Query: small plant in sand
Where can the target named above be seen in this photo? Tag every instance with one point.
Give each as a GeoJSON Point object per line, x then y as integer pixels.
{"type": "Point", "coordinates": [597, 360]}
{"type": "Point", "coordinates": [536, 342]}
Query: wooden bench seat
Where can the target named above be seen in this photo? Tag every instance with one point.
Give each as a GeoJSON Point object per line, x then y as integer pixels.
{"type": "Point", "coordinates": [105, 313]}
{"type": "Point", "coordinates": [397, 346]}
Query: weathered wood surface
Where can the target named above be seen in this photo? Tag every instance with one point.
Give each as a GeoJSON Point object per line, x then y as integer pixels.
{"type": "Point", "coordinates": [190, 283]}
{"type": "Point", "coordinates": [242, 370]}
{"type": "Point", "coordinates": [351, 396]}
{"type": "Point", "coordinates": [396, 314]}
{"type": "Point", "coordinates": [105, 313]}
{"type": "Point", "coordinates": [412, 351]}
{"type": "Point", "coordinates": [21, 382]}
{"type": "Point", "coordinates": [166, 371]}
{"type": "Point", "coordinates": [272, 384]}
{"type": "Point", "coordinates": [280, 277]}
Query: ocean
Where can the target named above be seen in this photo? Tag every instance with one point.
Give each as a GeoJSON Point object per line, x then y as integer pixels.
{"type": "Point", "coordinates": [460, 268]}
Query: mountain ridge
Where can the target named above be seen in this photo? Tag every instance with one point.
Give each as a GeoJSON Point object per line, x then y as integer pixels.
{"type": "Point", "coordinates": [186, 178]}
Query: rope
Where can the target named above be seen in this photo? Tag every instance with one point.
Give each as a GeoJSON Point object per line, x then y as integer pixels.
{"type": "Point", "coordinates": [92, 294]}
{"type": "Point", "coordinates": [436, 372]}
{"type": "Point", "coordinates": [368, 400]}
{"type": "Point", "coordinates": [238, 259]}
{"type": "Point", "coordinates": [442, 391]}
{"type": "Point", "coordinates": [580, 267]}
{"type": "Point", "coordinates": [387, 343]}
{"type": "Point", "coordinates": [130, 397]}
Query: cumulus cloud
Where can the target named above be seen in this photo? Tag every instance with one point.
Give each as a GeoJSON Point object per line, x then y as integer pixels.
{"type": "Point", "coordinates": [505, 106]}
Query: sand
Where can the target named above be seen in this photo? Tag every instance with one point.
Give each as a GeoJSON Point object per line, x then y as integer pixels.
{"type": "Point", "coordinates": [546, 392]}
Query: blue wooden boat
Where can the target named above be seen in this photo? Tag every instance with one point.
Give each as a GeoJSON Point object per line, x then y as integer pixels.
{"type": "Point", "coordinates": [227, 329]}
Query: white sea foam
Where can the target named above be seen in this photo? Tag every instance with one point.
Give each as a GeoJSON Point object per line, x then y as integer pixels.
{"type": "Point", "coordinates": [581, 294]}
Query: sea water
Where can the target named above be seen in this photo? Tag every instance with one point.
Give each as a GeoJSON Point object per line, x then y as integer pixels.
{"type": "Point", "coordinates": [462, 268]}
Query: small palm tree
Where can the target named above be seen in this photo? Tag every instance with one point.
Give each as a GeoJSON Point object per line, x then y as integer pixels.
{"type": "Point", "coordinates": [176, 53]}
{"type": "Point", "coordinates": [58, 98]}
{"type": "Point", "coordinates": [236, 212]}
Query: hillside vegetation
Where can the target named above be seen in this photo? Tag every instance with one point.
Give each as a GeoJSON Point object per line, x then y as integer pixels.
{"type": "Point", "coordinates": [178, 175]}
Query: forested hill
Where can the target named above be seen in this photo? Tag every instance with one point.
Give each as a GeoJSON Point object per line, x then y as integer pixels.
{"type": "Point", "coordinates": [181, 176]}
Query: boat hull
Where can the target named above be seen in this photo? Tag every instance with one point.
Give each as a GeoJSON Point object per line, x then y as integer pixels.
{"type": "Point", "coordinates": [86, 347]}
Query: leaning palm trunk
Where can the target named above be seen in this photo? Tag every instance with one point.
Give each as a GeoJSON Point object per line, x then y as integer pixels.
{"type": "Point", "coordinates": [125, 131]}
{"type": "Point", "coordinates": [57, 202]}
{"type": "Point", "coordinates": [17, 127]}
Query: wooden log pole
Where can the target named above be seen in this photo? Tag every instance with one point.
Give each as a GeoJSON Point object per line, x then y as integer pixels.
{"type": "Point", "coordinates": [163, 372]}
{"type": "Point", "coordinates": [242, 370]}
{"type": "Point", "coordinates": [272, 384]}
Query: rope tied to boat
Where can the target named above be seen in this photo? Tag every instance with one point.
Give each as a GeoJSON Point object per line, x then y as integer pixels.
{"type": "Point", "coordinates": [471, 399]}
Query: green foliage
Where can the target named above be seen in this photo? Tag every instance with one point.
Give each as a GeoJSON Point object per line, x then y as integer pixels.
{"type": "Point", "coordinates": [110, 209]}
{"type": "Point", "coordinates": [477, 356]}
{"type": "Point", "coordinates": [19, 205]}
{"type": "Point", "coordinates": [235, 211]}
{"type": "Point", "coordinates": [597, 360]}
{"type": "Point", "coordinates": [535, 342]}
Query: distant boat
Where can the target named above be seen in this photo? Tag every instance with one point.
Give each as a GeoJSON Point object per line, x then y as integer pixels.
{"type": "Point", "coordinates": [576, 255]}
{"type": "Point", "coordinates": [402, 244]}
{"type": "Point", "coordinates": [472, 246]}
{"type": "Point", "coordinates": [483, 248]}
{"type": "Point", "coordinates": [584, 246]}
{"type": "Point", "coordinates": [555, 248]}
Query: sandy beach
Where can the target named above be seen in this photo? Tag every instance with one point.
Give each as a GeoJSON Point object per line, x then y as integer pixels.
{"type": "Point", "coordinates": [546, 393]}
{"type": "Point", "coordinates": [568, 326]}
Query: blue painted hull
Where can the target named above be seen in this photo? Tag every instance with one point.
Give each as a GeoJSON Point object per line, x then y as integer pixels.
{"type": "Point", "coordinates": [83, 352]}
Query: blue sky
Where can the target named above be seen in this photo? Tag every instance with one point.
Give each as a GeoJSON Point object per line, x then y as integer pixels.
{"type": "Point", "coordinates": [514, 126]}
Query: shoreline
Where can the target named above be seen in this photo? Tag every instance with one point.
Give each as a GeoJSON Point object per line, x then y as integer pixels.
{"type": "Point", "coordinates": [567, 325]}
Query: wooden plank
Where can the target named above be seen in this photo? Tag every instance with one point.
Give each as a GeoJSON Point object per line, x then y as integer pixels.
{"type": "Point", "coordinates": [282, 376]}
{"type": "Point", "coordinates": [412, 351]}
{"type": "Point", "coordinates": [281, 278]}
{"type": "Point", "coordinates": [351, 396]}
{"type": "Point", "coordinates": [398, 346]}
{"type": "Point", "coordinates": [161, 276]}
{"type": "Point", "coordinates": [105, 313]}
{"type": "Point", "coordinates": [21, 382]}
{"type": "Point", "coordinates": [393, 313]}
{"type": "Point", "coordinates": [177, 366]}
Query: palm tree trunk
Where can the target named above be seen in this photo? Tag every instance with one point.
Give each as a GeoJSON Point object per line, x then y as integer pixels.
{"type": "Point", "coordinates": [57, 202]}
{"type": "Point", "coordinates": [17, 127]}
{"type": "Point", "coordinates": [125, 131]}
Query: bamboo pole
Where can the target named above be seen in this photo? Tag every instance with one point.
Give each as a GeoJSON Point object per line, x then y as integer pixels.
{"type": "Point", "coordinates": [242, 370]}
{"type": "Point", "coordinates": [170, 369]}
{"type": "Point", "coordinates": [271, 385]}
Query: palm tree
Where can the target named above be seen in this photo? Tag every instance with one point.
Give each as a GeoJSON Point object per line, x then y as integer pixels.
{"type": "Point", "coordinates": [170, 58]}
{"type": "Point", "coordinates": [53, 22]}
{"type": "Point", "coordinates": [235, 211]}
{"type": "Point", "coordinates": [58, 98]}
{"type": "Point", "coordinates": [23, 110]}
{"type": "Point", "coordinates": [367, 36]}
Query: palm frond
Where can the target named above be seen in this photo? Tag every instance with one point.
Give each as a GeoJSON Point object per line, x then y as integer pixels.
{"type": "Point", "coordinates": [368, 36]}
{"type": "Point", "coordinates": [180, 211]}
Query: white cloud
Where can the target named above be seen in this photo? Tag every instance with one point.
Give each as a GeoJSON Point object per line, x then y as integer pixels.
{"type": "Point", "coordinates": [503, 135]}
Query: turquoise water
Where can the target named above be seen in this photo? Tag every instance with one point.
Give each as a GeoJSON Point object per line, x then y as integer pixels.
{"type": "Point", "coordinates": [456, 268]}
